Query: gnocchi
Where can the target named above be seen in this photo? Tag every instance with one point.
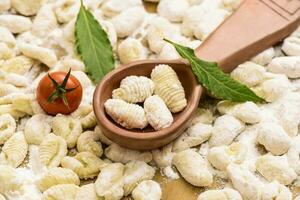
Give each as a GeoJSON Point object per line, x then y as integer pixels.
{"type": "Point", "coordinates": [273, 89]}
{"type": "Point", "coordinates": [89, 141]}
{"type": "Point", "coordinates": [220, 157]}
{"type": "Point", "coordinates": [57, 176]}
{"type": "Point", "coordinates": [274, 190]}
{"type": "Point", "coordinates": [36, 128]}
{"type": "Point", "coordinates": [293, 154]}
{"type": "Point", "coordinates": [52, 150]}
{"type": "Point", "coordinates": [18, 65]}
{"type": "Point", "coordinates": [158, 29]}
{"type": "Point", "coordinates": [273, 137]}
{"type": "Point", "coordinates": [134, 89]}
{"type": "Point", "coordinates": [15, 23]}
{"type": "Point", "coordinates": [163, 157]}
{"type": "Point", "coordinates": [27, 7]}
{"type": "Point", "coordinates": [67, 127]}
{"type": "Point", "coordinates": [109, 183]}
{"type": "Point", "coordinates": [246, 183]}
{"type": "Point", "coordinates": [134, 173]}
{"type": "Point", "coordinates": [169, 88]}
{"type": "Point", "coordinates": [46, 56]}
{"type": "Point", "coordinates": [249, 73]}
{"type": "Point", "coordinates": [157, 113]}
{"type": "Point", "coordinates": [173, 10]}
{"type": "Point", "coordinates": [194, 135]}
{"type": "Point", "coordinates": [7, 127]}
{"type": "Point", "coordinates": [44, 22]}
{"type": "Point", "coordinates": [130, 50]}
{"type": "Point", "coordinates": [4, 6]}
{"type": "Point", "coordinates": [148, 189]}
{"type": "Point", "coordinates": [128, 115]}
{"type": "Point", "coordinates": [225, 129]}
{"type": "Point", "coordinates": [87, 192]}
{"type": "Point", "coordinates": [117, 153]}
{"type": "Point", "coordinates": [9, 180]}
{"type": "Point", "coordinates": [275, 168]}
{"type": "Point", "coordinates": [114, 7]}
{"type": "Point", "coordinates": [5, 51]}
{"type": "Point", "coordinates": [224, 194]}
{"type": "Point", "coordinates": [193, 168]}
{"type": "Point", "coordinates": [85, 164]}
{"type": "Point", "coordinates": [291, 46]}
{"type": "Point", "coordinates": [14, 150]}
{"type": "Point", "coordinates": [101, 136]}
{"type": "Point", "coordinates": [202, 25]}
{"type": "Point", "coordinates": [286, 65]}
{"type": "Point", "coordinates": [61, 192]}
{"type": "Point", "coordinates": [128, 21]}
{"type": "Point", "coordinates": [264, 57]}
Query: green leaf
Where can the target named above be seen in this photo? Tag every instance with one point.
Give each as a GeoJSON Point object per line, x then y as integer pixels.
{"type": "Point", "coordinates": [93, 45]}
{"type": "Point", "coordinates": [218, 83]}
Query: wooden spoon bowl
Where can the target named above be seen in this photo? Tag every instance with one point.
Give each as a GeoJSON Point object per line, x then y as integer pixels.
{"type": "Point", "coordinates": [255, 26]}
{"type": "Point", "coordinates": [146, 138]}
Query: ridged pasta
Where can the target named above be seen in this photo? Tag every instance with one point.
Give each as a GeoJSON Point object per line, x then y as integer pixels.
{"type": "Point", "coordinates": [7, 127]}
{"type": "Point", "coordinates": [85, 164]}
{"type": "Point", "coordinates": [126, 114]}
{"type": "Point", "coordinates": [220, 157]}
{"type": "Point", "coordinates": [224, 194]}
{"type": "Point", "coordinates": [45, 55]}
{"type": "Point", "coordinates": [14, 150]}
{"type": "Point", "coordinates": [102, 137]}
{"type": "Point", "coordinates": [193, 136]}
{"type": "Point", "coordinates": [136, 172]}
{"type": "Point", "coordinates": [275, 168]}
{"type": "Point", "coordinates": [87, 192]}
{"type": "Point", "coordinates": [89, 141]}
{"type": "Point", "coordinates": [19, 65]}
{"type": "Point", "coordinates": [157, 113]}
{"type": "Point", "coordinates": [169, 88]}
{"type": "Point", "coordinates": [109, 184]}
{"type": "Point", "coordinates": [56, 176]}
{"type": "Point", "coordinates": [134, 89]}
{"type": "Point", "coordinates": [193, 168]}
{"type": "Point", "coordinates": [6, 89]}
{"type": "Point", "coordinates": [68, 128]}
{"type": "Point", "coordinates": [117, 153]}
{"type": "Point", "coordinates": [86, 116]}
{"type": "Point", "coordinates": [89, 121]}
{"type": "Point", "coordinates": [36, 128]}
{"type": "Point", "coordinates": [8, 179]}
{"type": "Point", "coordinates": [147, 190]}
{"type": "Point", "coordinates": [61, 192]}
{"type": "Point", "coordinates": [52, 149]}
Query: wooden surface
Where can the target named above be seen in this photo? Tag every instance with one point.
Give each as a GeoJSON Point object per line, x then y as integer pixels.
{"type": "Point", "coordinates": [177, 189]}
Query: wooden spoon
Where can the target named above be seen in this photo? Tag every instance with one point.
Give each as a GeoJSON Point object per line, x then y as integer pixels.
{"type": "Point", "coordinates": [255, 26]}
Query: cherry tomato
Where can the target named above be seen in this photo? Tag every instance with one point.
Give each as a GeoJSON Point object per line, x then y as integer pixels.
{"type": "Point", "coordinates": [59, 92]}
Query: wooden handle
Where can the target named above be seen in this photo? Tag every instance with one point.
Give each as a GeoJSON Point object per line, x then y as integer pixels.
{"type": "Point", "coordinates": [254, 27]}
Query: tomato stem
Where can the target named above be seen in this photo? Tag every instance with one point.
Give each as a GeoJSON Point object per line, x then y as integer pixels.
{"type": "Point", "coordinates": [60, 89]}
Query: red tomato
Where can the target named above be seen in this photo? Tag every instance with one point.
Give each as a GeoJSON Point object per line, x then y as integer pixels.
{"type": "Point", "coordinates": [59, 92]}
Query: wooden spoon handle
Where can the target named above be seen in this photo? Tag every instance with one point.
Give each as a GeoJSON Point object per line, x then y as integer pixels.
{"type": "Point", "coordinates": [255, 26]}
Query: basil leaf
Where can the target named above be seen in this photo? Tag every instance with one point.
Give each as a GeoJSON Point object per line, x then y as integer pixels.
{"type": "Point", "coordinates": [218, 83]}
{"type": "Point", "coordinates": [93, 45]}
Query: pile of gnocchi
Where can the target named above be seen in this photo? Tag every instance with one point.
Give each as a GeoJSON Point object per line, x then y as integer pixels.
{"type": "Point", "coordinates": [233, 151]}
{"type": "Point", "coordinates": [169, 97]}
